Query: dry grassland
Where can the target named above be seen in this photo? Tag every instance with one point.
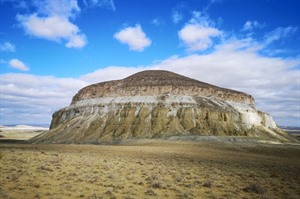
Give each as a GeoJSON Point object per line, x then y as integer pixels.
{"type": "Point", "coordinates": [148, 169]}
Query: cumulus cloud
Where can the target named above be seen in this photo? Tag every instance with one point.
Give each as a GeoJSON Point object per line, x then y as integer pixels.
{"type": "Point", "coordinates": [52, 22]}
{"type": "Point", "coordinates": [134, 37]}
{"type": "Point", "coordinates": [199, 32]}
{"type": "Point", "coordinates": [251, 25]}
{"type": "Point", "coordinates": [7, 47]}
{"type": "Point", "coordinates": [197, 37]}
{"type": "Point", "coordinates": [32, 99]}
{"type": "Point", "coordinates": [17, 64]}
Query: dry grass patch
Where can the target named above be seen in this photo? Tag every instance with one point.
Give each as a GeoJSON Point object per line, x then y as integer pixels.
{"type": "Point", "coordinates": [152, 170]}
{"type": "Point", "coordinates": [255, 188]}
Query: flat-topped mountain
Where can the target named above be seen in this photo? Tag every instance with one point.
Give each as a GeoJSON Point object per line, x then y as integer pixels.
{"type": "Point", "coordinates": [157, 104]}
{"type": "Point", "coordinates": [159, 82]}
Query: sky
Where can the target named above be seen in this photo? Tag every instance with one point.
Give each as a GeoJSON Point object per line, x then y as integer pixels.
{"type": "Point", "coordinates": [52, 48]}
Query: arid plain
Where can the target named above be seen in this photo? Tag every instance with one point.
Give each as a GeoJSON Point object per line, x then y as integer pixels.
{"type": "Point", "coordinates": [150, 169]}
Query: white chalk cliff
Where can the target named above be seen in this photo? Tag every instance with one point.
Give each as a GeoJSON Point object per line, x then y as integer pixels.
{"type": "Point", "coordinates": [157, 104]}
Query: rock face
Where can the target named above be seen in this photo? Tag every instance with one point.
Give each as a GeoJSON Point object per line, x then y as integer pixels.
{"type": "Point", "coordinates": [155, 104]}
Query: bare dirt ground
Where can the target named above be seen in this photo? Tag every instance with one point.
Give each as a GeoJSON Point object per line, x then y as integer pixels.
{"type": "Point", "coordinates": [150, 169]}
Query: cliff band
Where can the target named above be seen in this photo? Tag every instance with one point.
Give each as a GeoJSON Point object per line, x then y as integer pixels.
{"type": "Point", "coordinates": [157, 104]}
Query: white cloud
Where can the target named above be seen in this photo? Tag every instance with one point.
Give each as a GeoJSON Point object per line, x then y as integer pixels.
{"type": "Point", "coordinates": [177, 16]}
{"type": "Point", "coordinates": [197, 37]}
{"type": "Point", "coordinates": [51, 21]}
{"type": "Point", "coordinates": [280, 33]}
{"type": "Point", "coordinates": [17, 64]}
{"type": "Point", "coordinates": [134, 37]}
{"type": "Point", "coordinates": [157, 21]}
{"type": "Point", "coordinates": [178, 12]}
{"type": "Point", "coordinates": [7, 47]}
{"type": "Point", "coordinates": [52, 28]}
{"type": "Point", "coordinates": [21, 4]}
{"type": "Point", "coordinates": [250, 25]}
{"type": "Point", "coordinates": [199, 32]}
{"type": "Point", "coordinates": [32, 99]}
{"type": "Point", "coordinates": [65, 8]}
{"type": "Point", "coordinates": [108, 4]}
{"type": "Point", "coordinates": [77, 41]}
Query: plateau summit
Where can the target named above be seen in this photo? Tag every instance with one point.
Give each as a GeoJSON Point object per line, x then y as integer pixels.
{"type": "Point", "coordinates": [157, 104]}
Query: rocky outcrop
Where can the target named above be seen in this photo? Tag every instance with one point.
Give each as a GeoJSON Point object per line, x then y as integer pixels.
{"type": "Point", "coordinates": [157, 104]}
{"type": "Point", "coordinates": [155, 83]}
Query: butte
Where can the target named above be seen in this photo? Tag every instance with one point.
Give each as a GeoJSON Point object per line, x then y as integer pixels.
{"type": "Point", "coordinates": [157, 104]}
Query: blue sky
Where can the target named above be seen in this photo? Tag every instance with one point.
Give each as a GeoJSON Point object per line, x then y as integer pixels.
{"type": "Point", "coordinates": [52, 48]}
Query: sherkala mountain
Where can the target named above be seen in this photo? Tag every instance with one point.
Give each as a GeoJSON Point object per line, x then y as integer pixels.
{"type": "Point", "coordinates": [157, 104]}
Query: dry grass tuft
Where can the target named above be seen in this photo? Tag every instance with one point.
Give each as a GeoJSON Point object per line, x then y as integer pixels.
{"type": "Point", "coordinates": [255, 188]}
{"type": "Point", "coordinates": [178, 177]}
{"type": "Point", "coordinates": [44, 168]}
{"type": "Point", "coordinates": [150, 192]}
{"type": "Point", "coordinates": [208, 184]}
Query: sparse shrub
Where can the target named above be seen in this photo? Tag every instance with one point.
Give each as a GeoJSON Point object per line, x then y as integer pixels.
{"type": "Point", "coordinates": [274, 175]}
{"type": "Point", "coordinates": [36, 185]}
{"type": "Point", "coordinates": [154, 181]}
{"type": "Point", "coordinates": [178, 177]}
{"type": "Point", "coordinates": [255, 188]}
{"type": "Point", "coordinates": [112, 176]}
{"type": "Point", "coordinates": [13, 176]}
{"type": "Point", "coordinates": [150, 192]}
{"type": "Point", "coordinates": [208, 184]}
{"type": "Point", "coordinates": [109, 193]}
{"type": "Point", "coordinates": [128, 197]}
{"type": "Point", "coordinates": [153, 177]}
{"type": "Point", "coordinates": [156, 184]}
{"type": "Point", "coordinates": [186, 195]}
{"type": "Point", "coordinates": [95, 196]}
{"type": "Point", "coordinates": [44, 168]}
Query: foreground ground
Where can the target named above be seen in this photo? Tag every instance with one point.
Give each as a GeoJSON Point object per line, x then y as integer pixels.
{"type": "Point", "coordinates": [150, 169]}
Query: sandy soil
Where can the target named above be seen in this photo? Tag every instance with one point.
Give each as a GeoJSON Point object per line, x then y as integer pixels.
{"type": "Point", "coordinates": [150, 169]}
